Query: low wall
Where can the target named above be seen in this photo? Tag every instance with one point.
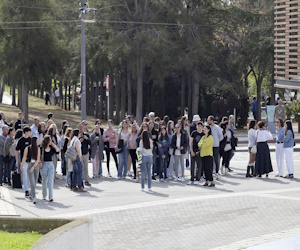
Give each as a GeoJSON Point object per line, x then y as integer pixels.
{"type": "Point", "coordinates": [59, 233]}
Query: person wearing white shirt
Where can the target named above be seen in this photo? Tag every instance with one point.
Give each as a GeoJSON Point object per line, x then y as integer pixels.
{"type": "Point", "coordinates": [34, 127]}
{"type": "Point", "coordinates": [263, 164]}
{"type": "Point", "coordinates": [56, 93]}
{"type": "Point", "coordinates": [251, 143]}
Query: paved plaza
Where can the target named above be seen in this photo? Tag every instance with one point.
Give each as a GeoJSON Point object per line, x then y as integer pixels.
{"type": "Point", "coordinates": [237, 214]}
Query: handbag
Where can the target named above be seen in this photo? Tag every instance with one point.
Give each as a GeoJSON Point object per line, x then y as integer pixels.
{"type": "Point", "coordinates": [254, 148]}
{"type": "Point", "coordinates": [71, 152]}
{"type": "Point", "coordinates": [120, 146]}
{"type": "Point", "coordinates": [227, 147]}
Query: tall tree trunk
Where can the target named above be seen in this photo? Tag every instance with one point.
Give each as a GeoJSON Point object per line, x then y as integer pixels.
{"type": "Point", "coordinates": [129, 91]}
{"type": "Point", "coordinates": [102, 98]}
{"type": "Point", "coordinates": [66, 93]}
{"type": "Point", "coordinates": [24, 101]}
{"type": "Point", "coordinates": [195, 96]}
{"type": "Point", "coordinates": [97, 99]}
{"type": "Point", "coordinates": [111, 95]}
{"type": "Point", "coordinates": [123, 90]}
{"type": "Point", "coordinates": [139, 94]}
{"type": "Point", "coordinates": [61, 96]}
{"type": "Point", "coordinates": [19, 96]}
{"type": "Point", "coordinates": [42, 89]}
{"type": "Point", "coordinates": [13, 96]}
{"type": "Point", "coordinates": [190, 96]}
{"type": "Point", "coordinates": [118, 99]}
{"type": "Point", "coordinates": [182, 84]}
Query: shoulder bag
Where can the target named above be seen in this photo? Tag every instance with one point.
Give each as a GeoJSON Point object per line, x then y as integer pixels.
{"type": "Point", "coordinates": [71, 152]}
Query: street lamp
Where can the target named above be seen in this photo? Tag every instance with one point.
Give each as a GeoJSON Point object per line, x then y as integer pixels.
{"type": "Point", "coordinates": [84, 8]}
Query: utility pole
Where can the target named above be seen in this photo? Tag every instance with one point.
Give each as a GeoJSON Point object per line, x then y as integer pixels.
{"type": "Point", "coordinates": [83, 67]}
{"type": "Point", "coordinates": [84, 8]}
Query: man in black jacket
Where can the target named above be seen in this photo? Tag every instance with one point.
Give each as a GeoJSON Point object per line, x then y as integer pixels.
{"type": "Point", "coordinates": [20, 122]}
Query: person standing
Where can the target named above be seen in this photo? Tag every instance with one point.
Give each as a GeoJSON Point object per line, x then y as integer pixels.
{"type": "Point", "coordinates": [34, 127]}
{"type": "Point", "coordinates": [85, 143]}
{"type": "Point", "coordinates": [154, 133]}
{"type": "Point", "coordinates": [2, 123]}
{"type": "Point", "coordinates": [56, 93]}
{"type": "Point", "coordinates": [20, 121]}
{"type": "Point", "coordinates": [48, 149]}
{"type": "Point", "coordinates": [97, 147]}
{"type": "Point", "coordinates": [67, 138]}
{"type": "Point", "coordinates": [193, 126]}
{"type": "Point", "coordinates": [110, 137]}
{"type": "Point", "coordinates": [146, 149]}
{"type": "Point", "coordinates": [217, 134]}
{"type": "Point", "coordinates": [279, 147]}
{"type": "Point", "coordinates": [179, 143]}
{"type": "Point", "coordinates": [171, 160]}
{"type": "Point", "coordinates": [288, 145]}
{"type": "Point", "coordinates": [56, 140]}
{"type": "Point", "coordinates": [2, 141]}
{"type": "Point", "coordinates": [77, 164]}
{"type": "Point", "coordinates": [254, 108]}
{"type": "Point", "coordinates": [23, 142]}
{"type": "Point", "coordinates": [9, 141]}
{"type": "Point", "coordinates": [206, 153]}
{"type": "Point", "coordinates": [263, 164]}
{"type": "Point", "coordinates": [195, 154]}
{"type": "Point", "coordinates": [251, 143]}
{"type": "Point", "coordinates": [123, 137]}
{"type": "Point", "coordinates": [132, 145]}
{"type": "Point", "coordinates": [279, 111]}
{"type": "Point", "coordinates": [163, 150]}
{"type": "Point", "coordinates": [32, 157]}
{"type": "Point", "coordinates": [151, 118]}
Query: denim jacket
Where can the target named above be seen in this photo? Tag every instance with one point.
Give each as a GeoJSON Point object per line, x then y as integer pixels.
{"type": "Point", "coordinates": [288, 140]}
{"type": "Point", "coordinates": [165, 144]}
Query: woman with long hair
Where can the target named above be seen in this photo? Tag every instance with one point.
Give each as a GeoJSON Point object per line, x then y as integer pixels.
{"type": "Point", "coordinates": [41, 132]}
{"type": "Point", "coordinates": [9, 141]}
{"type": "Point", "coordinates": [163, 150]}
{"type": "Point", "coordinates": [77, 164]}
{"type": "Point", "coordinates": [171, 160]}
{"type": "Point", "coordinates": [18, 135]}
{"type": "Point", "coordinates": [132, 145]}
{"type": "Point", "coordinates": [263, 164]}
{"type": "Point", "coordinates": [67, 138]}
{"type": "Point", "coordinates": [251, 143]}
{"type": "Point", "coordinates": [206, 152]}
{"type": "Point", "coordinates": [288, 145]}
{"type": "Point", "coordinates": [155, 163]}
{"type": "Point", "coordinates": [97, 147]}
{"type": "Point", "coordinates": [179, 144]}
{"type": "Point", "coordinates": [56, 140]}
{"type": "Point", "coordinates": [279, 147]}
{"type": "Point", "coordinates": [110, 139]}
{"type": "Point", "coordinates": [48, 149]}
{"type": "Point", "coordinates": [146, 148]}
{"type": "Point", "coordinates": [123, 136]}
{"type": "Point", "coordinates": [32, 157]}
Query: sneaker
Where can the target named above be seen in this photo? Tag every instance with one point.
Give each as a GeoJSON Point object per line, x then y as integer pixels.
{"type": "Point", "coordinates": [9, 183]}
{"type": "Point", "coordinates": [81, 190]}
{"type": "Point", "coordinates": [119, 178]}
{"type": "Point", "coordinates": [153, 178]}
{"type": "Point", "coordinates": [75, 189]}
{"type": "Point", "coordinates": [51, 200]}
{"type": "Point", "coordinates": [143, 189]}
{"type": "Point", "coordinates": [176, 179]}
{"type": "Point", "coordinates": [196, 182]}
{"type": "Point", "coordinates": [217, 176]}
{"type": "Point", "coordinates": [182, 179]}
{"type": "Point", "coordinates": [87, 184]}
{"type": "Point", "coordinates": [149, 189]}
{"type": "Point", "coordinates": [190, 183]}
{"type": "Point", "coordinates": [26, 194]}
{"type": "Point", "coordinates": [230, 170]}
{"type": "Point", "coordinates": [161, 180]}
{"type": "Point", "coordinates": [34, 201]}
{"type": "Point", "coordinates": [108, 175]}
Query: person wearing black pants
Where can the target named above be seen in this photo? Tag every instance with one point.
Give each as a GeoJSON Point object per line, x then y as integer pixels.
{"type": "Point", "coordinates": [207, 164]}
{"type": "Point", "coordinates": [112, 151]}
{"type": "Point", "coordinates": [133, 156]}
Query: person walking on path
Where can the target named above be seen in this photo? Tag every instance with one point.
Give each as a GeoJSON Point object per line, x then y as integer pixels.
{"type": "Point", "coordinates": [279, 147]}
{"type": "Point", "coordinates": [263, 164]}
{"type": "Point", "coordinates": [110, 138]}
{"type": "Point", "coordinates": [2, 141]}
{"type": "Point", "coordinates": [97, 147]}
{"type": "Point", "coordinates": [288, 145]}
{"type": "Point", "coordinates": [146, 149]}
{"type": "Point", "coordinates": [123, 138]}
{"type": "Point", "coordinates": [8, 152]}
{"type": "Point", "coordinates": [195, 154]}
{"type": "Point", "coordinates": [48, 149]}
{"type": "Point", "coordinates": [32, 157]}
{"type": "Point", "coordinates": [179, 144]}
{"type": "Point", "coordinates": [251, 143]}
{"type": "Point", "coordinates": [206, 153]}
{"type": "Point", "coordinates": [217, 134]}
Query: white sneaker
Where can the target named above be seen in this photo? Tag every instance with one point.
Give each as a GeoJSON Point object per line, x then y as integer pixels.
{"type": "Point", "coordinates": [190, 183]}
{"type": "Point", "coordinates": [176, 179]}
{"type": "Point", "coordinates": [142, 189]}
{"type": "Point", "coordinates": [217, 176]}
{"type": "Point", "coordinates": [149, 189]}
{"type": "Point", "coordinates": [108, 175]}
{"type": "Point", "coordinates": [196, 182]}
{"type": "Point", "coordinates": [182, 178]}
{"type": "Point", "coordinates": [222, 168]}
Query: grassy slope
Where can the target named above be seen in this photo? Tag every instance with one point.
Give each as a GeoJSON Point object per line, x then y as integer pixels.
{"type": "Point", "coordinates": [18, 241]}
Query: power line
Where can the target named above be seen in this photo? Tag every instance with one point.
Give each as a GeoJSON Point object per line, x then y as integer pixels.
{"type": "Point", "coordinates": [41, 22]}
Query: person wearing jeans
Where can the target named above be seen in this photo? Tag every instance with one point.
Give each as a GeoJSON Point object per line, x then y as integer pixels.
{"type": "Point", "coordinates": [132, 145]}
{"type": "Point", "coordinates": [48, 149]}
{"type": "Point", "coordinates": [97, 147]}
{"type": "Point", "coordinates": [288, 145]}
{"type": "Point", "coordinates": [123, 155]}
{"type": "Point", "coordinates": [146, 149]}
{"type": "Point", "coordinates": [163, 149]}
{"type": "Point", "coordinates": [2, 141]}
{"type": "Point", "coordinates": [279, 147]}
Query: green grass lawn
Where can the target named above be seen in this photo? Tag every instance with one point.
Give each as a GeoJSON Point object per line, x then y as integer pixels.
{"type": "Point", "coordinates": [18, 241]}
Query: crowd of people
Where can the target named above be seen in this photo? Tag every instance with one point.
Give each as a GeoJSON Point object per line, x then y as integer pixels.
{"type": "Point", "coordinates": [156, 149]}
